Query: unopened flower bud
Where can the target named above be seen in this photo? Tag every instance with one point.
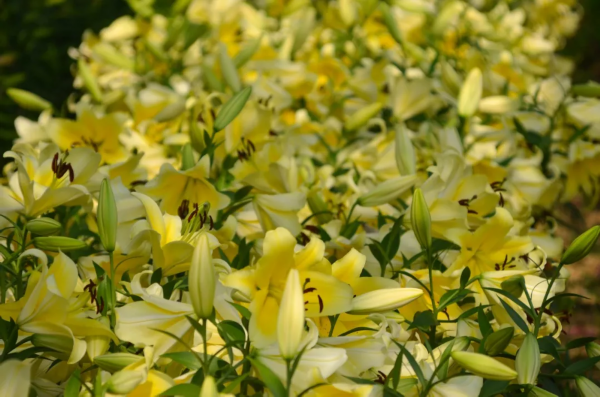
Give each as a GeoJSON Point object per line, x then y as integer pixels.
{"type": "Point", "coordinates": [581, 246]}
{"type": "Point", "coordinates": [496, 342]}
{"type": "Point", "coordinates": [405, 152]}
{"type": "Point", "coordinates": [528, 362]}
{"type": "Point", "coordinates": [484, 366]}
{"type": "Point", "coordinates": [187, 157]}
{"type": "Point", "coordinates": [470, 93]}
{"type": "Point", "coordinates": [116, 361]}
{"type": "Point", "coordinates": [58, 343]}
{"type": "Point", "coordinates": [383, 300]}
{"type": "Point", "coordinates": [586, 387]}
{"type": "Point", "coordinates": [28, 100]}
{"type": "Point", "coordinates": [362, 116]}
{"type": "Point", "coordinates": [89, 81]}
{"type": "Point", "coordinates": [290, 321]}
{"type": "Point", "coordinates": [58, 243]}
{"type": "Point", "coordinates": [420, 219]}
{"type": "Point", "coordinates": [124, 382]}
{"type": "Point", "coordinates": [591, 89]}
{"type": "Point", "coordinates": [497, 104]}
{"type": "Point", "coordinates": [107, 216]}
{"type": "Point", "coordinates": [43, 226]}
{"type": "Point", "coordinates": [209, 388]}
{"type": "Point", "coordinates": [387, 191]}
{"type": "Point", "coordinates": [202, 278]}
{"type": "Point", "coordinates": [593, 350]}
{"type": "Point", "coordinates": [539, 392]}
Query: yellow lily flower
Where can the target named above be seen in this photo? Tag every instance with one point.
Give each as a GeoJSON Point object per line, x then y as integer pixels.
{"type": "Point", "coordinates": [47, 179]}
{"type": "Point", "coordinates": [263, 283]}
{"type": "Point", "coordinates": [15, 378]}
{"type": "Point", "coordinates": [173, 187]}
{"type": "Point", "coordinates": [98, 133]}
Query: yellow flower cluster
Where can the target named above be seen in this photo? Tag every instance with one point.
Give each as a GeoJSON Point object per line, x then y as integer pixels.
{"type": "Point", "coordinates": [316, 198]}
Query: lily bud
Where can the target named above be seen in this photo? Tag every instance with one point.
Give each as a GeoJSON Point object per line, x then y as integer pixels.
{"type": "Point", "coordinates": [498, 341]}
{"type": "Point", "coordinates": [43, 226]}
{"type": "Point", "coordinates": [28, 100]}
{"type": "Point", "coordinates": [420, 219]}
{"type": "Point", "coordinates": [528, 360]}
{"type": "Point", "coordinates": [116, 361]}
{"type": "Point", "coordinates": [470, 93]}
{"type": "Point", "coordinates": [593, 350]}
{"type": "Point", "coordinates": [362, 116]}
{"type": "Point", "coordinates": [591, 89]}
{"type": "Point", "coordinates": [497, 104]}
{"type": "Point", "coordinates": [202, 278]}
{"type": "Point", "coordinates": [586, 387]}
{"type": "Point", "coordinates": [387, 191]}
{"type": "Point", "coordinates": [539, 392]}
{"type": "Point", "coordinates": [318, 206]}
{"type": "Point", "coordinates": [89, 81]}
{"type": "Point", "coordinates": [209, 388]}
{"type": "Point", "coordinates": [484, 366]}
{"type": "Point", "coordinates": [581, 246]}
{"type": "Point", "coordinates": [405, 152]}
{"type": "Point", "coordinates": [59, 343]}
{"type": "Point", "coordinates": [290, 321]}
{"type": "Point", "coordinates": [107, 216]}
{"type": "Point", "coordinates": [109, 54]}
{"type": "Point", "coordinates": [124, 382]}
{"type": "Point", "coordinates": [187, 157]}
{"type": "Point", "coordinates": [58, 243]}
{"type": "Point", "coordinates": [383, 300]}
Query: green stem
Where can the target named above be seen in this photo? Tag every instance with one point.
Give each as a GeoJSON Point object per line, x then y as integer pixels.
{"type": "Point", "coordinates": [205, 366]}
{"type": "Point", "coordinates": [431, 294]}
{"type": "Point", "coordinates": [538, 318]}
{"type": "Point", "coordinates": [113, 291]}
{"type": "Point", "coordinates": [288, 377]}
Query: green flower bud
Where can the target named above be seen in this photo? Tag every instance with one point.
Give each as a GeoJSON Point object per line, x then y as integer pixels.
{"type": "Point", "coordinates": [420, 219]}
{"type": "Point", "coordinates": [362, 116]}
{"type": "Point", "coordinates": [110, 55]}
{"type": "Point", "coordinates": [209, 388]}
{"type": "Point", "coordinates": [383, 300]}
{"type": "Point", "coordinates": [28, 100]}
{"type": "Point", "coordinates": [496, 342]}
{"type": "Point", "coordinates": [187, 157]}
{"type": "Point", "coordinates": [116, 361]}
{"type": "Point", "coordinates": [593, 350]}
{"type": "Point", "coordinates": [387, 191]}
{"type": "Point", "coordinates": [591, 89]}
{"type": "Point", "coordinates": [390, 22]}
{"type": "Point", "coordinates": [528, 362]}
{"type": "Point", "coordinates": [586, 387]}
{"type": "Point", "coordinates": [246, 53]}
{"type": "Point", "coordinates": [59, 343]}
{"type": "Point", "coordinates": [514, 285]}
{"type": "Point", "coordinates": [318, 206]}
{"type": "Point", "coordinates": [107, 216]}
{"type": "Point", "coordinates": [228, 69]}
{"type": "Point", "coordinates": [202, 278]}
{"type": "Point", "coordinates": [232, 108]}
{"type": "Point", "coordinates": [89, 81]}
{"type": "Point", "coordinates": [484, 366]}
{"type": "Point", "coordinates": [124, 382]}
{"type": "Point", "coordinates": [290, 322]}
{"type": "Point", "coordinates": [405, 152]}
{"type": "Point", "coordinates": [470, 93]}
{"type": "Point", "coordinates": [43, 226]}
{"type": "Point", "coordinates": [581, 246]}
{"type": "Point", "coordinates": [58, 243]}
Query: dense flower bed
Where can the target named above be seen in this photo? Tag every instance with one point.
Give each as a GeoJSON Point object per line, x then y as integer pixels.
{"type": "Point", "coordinates": [314, 198]}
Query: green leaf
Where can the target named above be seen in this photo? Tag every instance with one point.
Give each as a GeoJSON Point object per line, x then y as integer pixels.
{"type": "Point", "coordinates": [185, 390]}
{"type": "Point", "coordinates": [423, 320]}
{"type": "Point", "coordinates": [498, 341]}
{"type": "Point", "coordinates": [269, 378]}
{"type": "Point", "coordinates": [413, 363]}
{"type": "Point", "coordinates": [580, 367]}
{"type": "Point", "coordinates": [579, 342]}
{"type": "Point", "coordinates": [492, 388]}
{"type": "Point", "coordinates": [452, 296]}
{"type": "Point", "coordinates": [465, 276]}
{"type": "Point", "coordinates": [516, 301]}
{"type": "Point", "coordinates": [232, 108]}
{"type": "Point", "coordinates": [73, 385]}
{"type": "Point", "coordinates": [515, 316]}
{"type": "Point", "coordinates": [549, 345]}
{"type": "Point", "coordinates": [235, 383]}
{"type": "Point", "coordinates": [243, 311]}
{"type": "Point", "coordinates": [187, 359]}
{"type": "Point", "coordinates": [231, 331]}
{"type": "Point", "coordinates": [484, 324]}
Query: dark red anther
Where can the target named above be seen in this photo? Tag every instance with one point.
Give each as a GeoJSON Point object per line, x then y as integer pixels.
{"type": "Point", "coordinates": [183, 209]}
{"type": "Point", "coordinates": [320, 304]}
